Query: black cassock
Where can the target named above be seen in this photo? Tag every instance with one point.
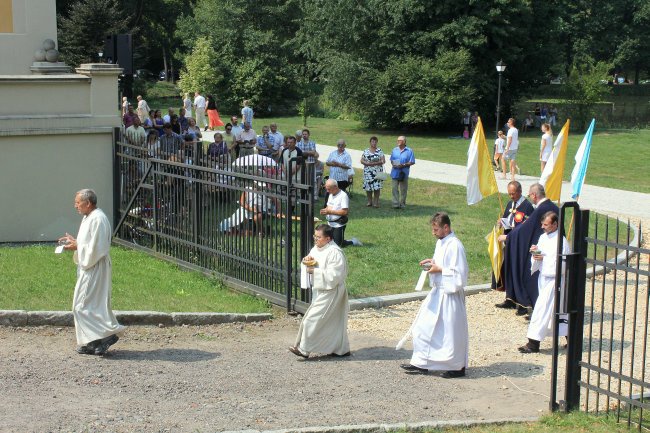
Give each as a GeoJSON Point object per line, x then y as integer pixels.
{"type": "Point", "coordinates": [521, 286]}
{"type": "Point", "coordinates": [519, 215]}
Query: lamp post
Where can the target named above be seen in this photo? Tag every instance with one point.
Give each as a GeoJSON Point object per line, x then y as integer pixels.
{"type": "Point", "coordinates": [500, 68]}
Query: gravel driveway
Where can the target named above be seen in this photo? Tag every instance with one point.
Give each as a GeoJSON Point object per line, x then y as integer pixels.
{"type": "Point", "coordinates": [238, 377]}
{"type": "Point", "coordinates": [241, 376]}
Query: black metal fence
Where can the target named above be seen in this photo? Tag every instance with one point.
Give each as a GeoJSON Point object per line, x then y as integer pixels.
{"type": "Point", "coordinates": [606, 361]}
{"type": "Point", "coordinates": [243, 220]}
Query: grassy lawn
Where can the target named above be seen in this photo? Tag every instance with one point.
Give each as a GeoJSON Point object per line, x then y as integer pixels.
{"type": "Point", "coordinates": [394, 241]}
{"type": "Point", "coordinates": [575, 422]}
{"type": "Point", "coordinates": [34, 278]}
{"type": "Point", "coordinates": [617, 158]}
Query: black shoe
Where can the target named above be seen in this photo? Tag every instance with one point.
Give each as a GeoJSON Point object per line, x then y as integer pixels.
{"type": "Point", "coordinates": [531, 347]}
{"type": "Point", "coordinates": [105, 343]}
{"type": "Point", "coordinates": [336, 355]}
{"type": "Point", "coordinates": [506, 304]}
{"type": "Point", "coordinates": [88, 349]}
{"type": "Point", "coordinates": [413, 369]}
{"type": "Point", "coordinates": [522, 311]}
{"type": "Point", "coordinates": [85, 350]}
{"type": "Point", "coordinates": [452, 374]}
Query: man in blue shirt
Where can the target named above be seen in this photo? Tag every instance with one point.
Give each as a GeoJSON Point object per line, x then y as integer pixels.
{"type": "Point", "coordinates": [247, 114]}
{"type": "Point", "coordinates": [339, 162]}
{"type": "Point", "coordinates": [401, 158]}
{"type": "Point", "coordinates": [266, 144]}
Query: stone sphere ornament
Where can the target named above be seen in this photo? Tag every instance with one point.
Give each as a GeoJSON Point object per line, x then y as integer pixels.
{"type": "Point", "coordinates": [52, 55]}
{"type": "Point", "coordinates": [48, 44]}
{"type": "Point", "coordinates": [39, 55]}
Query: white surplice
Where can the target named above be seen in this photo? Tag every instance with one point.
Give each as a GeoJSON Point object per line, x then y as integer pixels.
{"type": "Point", "coordinates": [324, 328]}
{"type": "Point", "coordinates": [541, 321]}
{"type": "Point", "coordinates": [440, 335]}
{"type": "Point", "coordinates": [91, 306]}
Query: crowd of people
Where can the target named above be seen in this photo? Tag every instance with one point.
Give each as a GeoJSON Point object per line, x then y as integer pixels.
{"type": "Point", "coordinates": [179, 137]}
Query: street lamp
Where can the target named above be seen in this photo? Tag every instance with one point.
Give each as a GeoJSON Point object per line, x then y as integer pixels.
{"type": "Point", "coordinates": [500, 68]}
{"type": "Point", "coordinates": [100, 54]}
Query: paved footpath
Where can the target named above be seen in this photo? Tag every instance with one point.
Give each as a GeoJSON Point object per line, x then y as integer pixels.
{"type": "Point", "coordinates": [605, 200]}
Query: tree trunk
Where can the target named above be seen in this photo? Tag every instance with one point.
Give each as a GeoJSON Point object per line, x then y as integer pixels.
{"type": "Point", "coordinates": [171, 70]}
{"type": "Point", "coordinates": [164, 52]}
{"type": "Point", "coordinates": [636, 73]}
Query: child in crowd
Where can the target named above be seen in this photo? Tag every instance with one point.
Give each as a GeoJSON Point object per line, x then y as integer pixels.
{"type": "Point", "coordinates": [499, 146]}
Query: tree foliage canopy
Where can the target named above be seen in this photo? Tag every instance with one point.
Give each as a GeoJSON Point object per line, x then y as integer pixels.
{"type": "Point", "coordinates": [390, 63]}
{"type": "Point", "coordinates": [83, 30]}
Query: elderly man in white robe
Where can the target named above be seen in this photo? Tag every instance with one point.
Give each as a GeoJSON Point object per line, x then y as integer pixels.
{"type": "Point", "coordinates": [440, 334]}
{"type": "Point", "coordinates": [544, 260]}
{"type": "Point", "coordinates": [324, 328]}
{"type": "Point", "coordinates": [95, 324]}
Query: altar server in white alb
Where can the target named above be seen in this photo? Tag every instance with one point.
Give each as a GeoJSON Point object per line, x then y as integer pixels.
{"type": "Point", "coordinates": [95, 324]}
{"type": "Point", "coordinates": [324, 328]}
{"type": "Point", "coordinates": [544, 260]}
{"type": "Point", "coordinates": [440, 335]}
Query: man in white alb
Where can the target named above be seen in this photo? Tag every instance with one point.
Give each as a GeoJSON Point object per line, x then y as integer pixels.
{"type": "Point", "coordinates": [440, 335]}
{"type": "Point", "coordinates": [324, 328]}
{"type": "Point", "coordinates": [199, 109]}
{"type": "Point", "coordinates": [95, 324]}
{"type": "Point", "coordinates": [544, 260]}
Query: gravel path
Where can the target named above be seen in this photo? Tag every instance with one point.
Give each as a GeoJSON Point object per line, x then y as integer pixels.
{"type": "Point", "coordinates": [237, 377]}
{"type": "Point", "coordinates": [240, 376]}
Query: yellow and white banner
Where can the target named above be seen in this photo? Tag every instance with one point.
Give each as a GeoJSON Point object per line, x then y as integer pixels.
{"type": "Point", "coordinates": [551, 177]}
{"type": "Point", "coordinates": [480, 175]}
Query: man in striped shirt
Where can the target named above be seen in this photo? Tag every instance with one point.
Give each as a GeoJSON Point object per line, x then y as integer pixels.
{"type": "Point", "coordinates": [339, 163]}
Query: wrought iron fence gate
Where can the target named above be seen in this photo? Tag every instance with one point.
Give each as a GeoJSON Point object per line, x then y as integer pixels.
{"type": "Point", "coordinates": [244, 221]}
{"type": "Point", "coordinates": [606, 360]}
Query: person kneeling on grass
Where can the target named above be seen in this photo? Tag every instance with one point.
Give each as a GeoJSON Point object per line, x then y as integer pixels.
{"type": "Point", "coordinates": [544, 259]}
{"type": "Point", "coordinates": [336, 213]}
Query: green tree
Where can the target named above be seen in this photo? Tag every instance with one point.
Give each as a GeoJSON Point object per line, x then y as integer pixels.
{"type": "Point", "coordinates": [252, 40]}
{"type": "Point", "coordinates": [201, 71]}
{"type": "Point", "coordinates": [352, 45]}
{"type": "Point", "coordinates": [82, 31]}
{"type": "Point", "coordinates": [584, 89]}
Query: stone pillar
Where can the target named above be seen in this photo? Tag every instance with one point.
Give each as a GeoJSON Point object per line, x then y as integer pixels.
{"type": "Point", "coordinates": [104, 98]}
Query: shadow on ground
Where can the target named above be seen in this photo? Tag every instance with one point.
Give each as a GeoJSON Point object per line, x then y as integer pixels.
{"type": "Point", "coordinates": [171, 355]}
{"type": "Point", "coordinates": [510, 369]}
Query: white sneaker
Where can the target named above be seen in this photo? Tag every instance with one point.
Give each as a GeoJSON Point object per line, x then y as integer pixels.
{"type": "Point", "coordinates": [356, 242]}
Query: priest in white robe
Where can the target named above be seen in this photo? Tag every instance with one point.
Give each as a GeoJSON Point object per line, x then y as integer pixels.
{"type": "Point", "coordinates": [324, 328]}
{"type": "Point", "coordinates": [544, 260]}
{"type": "Point", "coordinates": [440, 334]}
{"type": "Point", "coordinates": [95, 324]}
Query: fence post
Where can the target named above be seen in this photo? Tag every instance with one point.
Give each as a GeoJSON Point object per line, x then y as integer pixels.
{"type": "Point", "coordinates": [288, 247]}
{"type": "Point", "coordinates": [116, 176]}
{"type": "Point", "coordinates": [575, 303]}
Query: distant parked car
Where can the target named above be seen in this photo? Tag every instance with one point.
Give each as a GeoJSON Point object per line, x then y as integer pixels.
{"type": "Point", "coordinates": [557, 80]}
{"type": "Point", "coordinates": [144, 74]}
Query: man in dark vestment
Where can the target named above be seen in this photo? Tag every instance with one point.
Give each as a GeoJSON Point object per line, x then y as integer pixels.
{"type": "Point", "coordinates": [516, 212]}
{"type": "Point", "coordinates": [521, 286]}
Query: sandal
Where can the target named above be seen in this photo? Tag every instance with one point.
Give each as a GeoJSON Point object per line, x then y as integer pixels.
{"type": "Point", "coordinates": [368, 204]}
